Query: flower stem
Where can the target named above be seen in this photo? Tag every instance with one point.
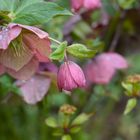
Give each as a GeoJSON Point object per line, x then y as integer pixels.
{"type": "Point", "coordinates": [54, 40]}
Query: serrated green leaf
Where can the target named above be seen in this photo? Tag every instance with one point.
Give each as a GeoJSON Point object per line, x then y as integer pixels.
{"type": "Point", "coordinates": [38, 13]}
{"type": "Point", "coordinates": [66, 137]}
{"type": "Point", "coordinates": [80, 51]}
{"type": "Point", "coordinates": [51, 122]}
{"type": "Point", "coordinates": [131, 103]}
{"type": "Point", "coordinates": [82, 118]}
{"type": "Point", "coordinates": [59, 53]}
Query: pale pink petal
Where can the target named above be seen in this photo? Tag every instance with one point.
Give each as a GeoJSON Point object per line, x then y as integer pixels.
{"type": "Point", "coordinates": [35, 89]}
{"type": "Point", "coordinates": [40, 47]}
{"type": "Point", "coordinates": [92, 4]}
{"type": "Point", "coordinates": [14, 33]}
{"type": "Point", "coordinates": [116, 60]}
{"type": "Point", "coordinates": [26, 72]}
{"type": "Point", "coordinates": [16, 56]}
{"type": "Point", "coordinates": [2, 69]}
{"type": "Point", "coordinates": [7, 35]}
{"type": "Point", "coordinates": [41, 34]}
{"type": "Point", "coordinates": [99, 72]}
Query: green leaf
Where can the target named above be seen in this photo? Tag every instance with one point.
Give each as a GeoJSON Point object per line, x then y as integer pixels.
{"type": "Point", "coordinates": [66, 137]}
{"type": "Point", "coordinates": [51, 122]}
{"type": "Point", "coordinates": [59, 53]}
{"type": "Point", "coordinates": [80, 51]}
{"type": "Point", "coordinates": [131, 103]}
{"type": "Point", "coordinates": [38, 12]}
{"type": "Point", "coordinates": [82, 118]}
{"type": "Point", "coordinates": [126, 4]}
{"type": "Point", "coordinates": [6, 85]}
{"type": "Point", "coordinates": [58, 132]}
{"type": "Point", "coordinates": [15, 5]}
{"type": "Point", "coordinates": [6, 5]}
{"type": "Point", "coordinates": [75, 129]}
{"type": "Point", "coordinates": [128, 87]}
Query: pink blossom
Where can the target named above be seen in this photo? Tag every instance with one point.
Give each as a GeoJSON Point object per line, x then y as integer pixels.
{"type": "Point", "coordinates": [92, 4]}
{"type": "Point", "coordinates": [103, 67]}
{"type": "Point", "coordinates": [34, 89]}
{"type": "Point", "coordinates": [87, 4]}
{"type": "Point", "coordinates": [70, 76]}
{"type": "Point", "coordinates": [20, 47]}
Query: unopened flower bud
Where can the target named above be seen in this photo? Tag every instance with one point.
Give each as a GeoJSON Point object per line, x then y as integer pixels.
{"type": "Point", "coordinates": [133, 79]}
{"type": "Point", "coordinates": [70, 76]}
{"type": "Point", "coordinates": [68, 109]}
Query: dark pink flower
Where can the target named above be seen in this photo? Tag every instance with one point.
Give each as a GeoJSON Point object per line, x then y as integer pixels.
{"type": "Point", "coordinates": [87, 4]}
{"type": "Point", "coordinates": [70, 76]}
{"type": "Point", "coordinates": [23, 46]}
{"type": "Point", "coordinates": [103, 67]}
{"type": "Point", "coordinates": [34, 89]}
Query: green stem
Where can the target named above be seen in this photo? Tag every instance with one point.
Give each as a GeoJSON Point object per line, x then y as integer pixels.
{"type": "Point", "coordinates": [54, 40]}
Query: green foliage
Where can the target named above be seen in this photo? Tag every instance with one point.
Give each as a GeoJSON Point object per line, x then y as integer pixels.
{"type": "Point", "coordinates": [82, 118]}
{"type": "Point", "coordinates": [80, 51]}
{"type": "Point", "coordinates": [59, 53]}
{"type": "Point", "coordinates": [7, 85]}
{"type": "Point", "coordinates": [126, 4]}
{"type": "Point", "coordinates": [66, 137]}
{"type": "Point", "coordinates": [51, 122]}
{"type": "Point", "coordinates": [131, 103]}
{"type": "Point", "coordinates": [32, 12]}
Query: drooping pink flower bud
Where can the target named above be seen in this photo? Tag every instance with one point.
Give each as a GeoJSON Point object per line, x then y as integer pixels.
{"type": "Point", "coordinates": [103, 67]}
{"type": "Point", "coordinates": [92, 4]}
{"type": "Point", "coordinates": [70, 76]}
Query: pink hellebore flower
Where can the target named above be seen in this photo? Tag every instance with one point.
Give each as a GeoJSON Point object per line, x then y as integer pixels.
{"type": "Point", "coordinates": [70, 76]}
{"type": "Point", "coordinates": [22, 47]}
{"type": "Point", "coordinates": [87, 4]}
{"type": "Point", "coordinates": [34, 89]}
{"type": "Point", "coordinates": [102, 69]}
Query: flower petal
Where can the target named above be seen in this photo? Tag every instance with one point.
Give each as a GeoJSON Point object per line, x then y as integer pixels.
{"type": "Point", "coordinates": [35, 89]}
{"type": "Point", "coordinates": [26, 72]}
{"type": "Point", "coordinates": [41, 47]}
{"type": "Point", "coordinates": [41, 34]}
{"type": "Point", "coordinates": [2, 69]}
{"type": "Point", "coordinates": [99, 72]}
{"type": "Point", "coordinates": [118, 61]}
{"type": "Point", "coordinates": [7, 35]}
{"type": "Point", "coordinates": [16, 56]}
{"type": "Point", "coordinates": [92, 4]}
